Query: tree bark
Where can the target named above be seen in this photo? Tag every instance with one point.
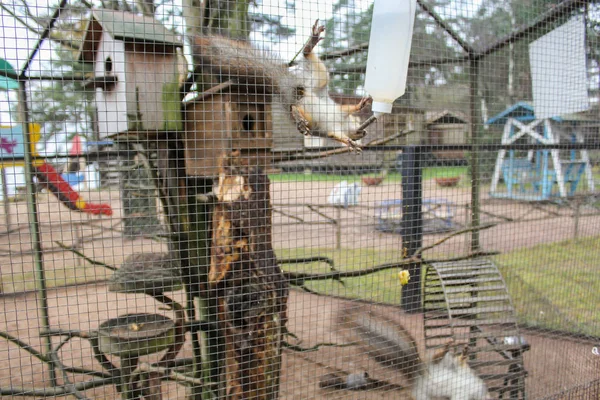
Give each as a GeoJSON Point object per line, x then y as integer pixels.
{"type": "Point", "coordinates": [250, 287]}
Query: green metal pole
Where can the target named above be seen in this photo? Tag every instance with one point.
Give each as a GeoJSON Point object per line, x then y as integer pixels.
{"type": "Point", "coordinates": [34, 227]}
{"type": "Point", "coordinates": [474, 164]}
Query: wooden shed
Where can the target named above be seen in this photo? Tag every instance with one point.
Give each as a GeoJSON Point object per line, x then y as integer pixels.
{"type": "Point", "coordinates": [137, 71]}
{"type": "Point", "coordinates": [447, 127]}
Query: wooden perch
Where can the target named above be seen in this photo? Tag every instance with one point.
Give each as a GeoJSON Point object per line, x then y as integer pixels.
{"type": "Point", "coordinates": [341, 150]}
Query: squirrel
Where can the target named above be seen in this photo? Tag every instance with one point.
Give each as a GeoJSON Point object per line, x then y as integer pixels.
{"type": "Point", "coordinates": [447, 375]}
{"type": "Point", "coordinates": [303, 93]}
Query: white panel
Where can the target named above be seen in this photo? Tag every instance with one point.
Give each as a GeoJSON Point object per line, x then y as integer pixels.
{"type": "Point", "coordinates": [111, 104]}
{"type": "Point", "coordinates": [558, 70]}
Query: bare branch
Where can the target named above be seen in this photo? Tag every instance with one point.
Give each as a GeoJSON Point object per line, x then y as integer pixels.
{"type": "Point", "coordinates": [305, 260]}
{"type": "Point", "coordinates": [55, 391]}
{"type": "Point", "coordinates": [25, 346]}
{"type": "Point", "coordinates": [294, 347]}
{"type": "Point", "coordinates": [86, 258]}
{"type": "Point", "coordinates": [299, 278]}
{"type": "Point", "coordinates": [167, 373]}
{"type": "Point", "coordinates": [61, 367]}
{"type": "Point", "coordinates": [68, 333]}
{"type": "Point", "coordinates": [450, 236]}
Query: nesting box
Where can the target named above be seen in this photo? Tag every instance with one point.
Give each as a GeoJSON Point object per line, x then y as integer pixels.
{"type": "Point", "coordinates": [221, 120]}
{"type": "Point", "coordinates": [137, 70]}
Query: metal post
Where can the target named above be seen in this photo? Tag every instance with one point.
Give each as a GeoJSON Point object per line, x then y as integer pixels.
{"type": "Point", "coordinates": [412, 223]}
{"type": "Point", "coordinates": [5, 199]}
{"type": "Point", "coordinates": [34, 227]}
{"type": "Point", "coordinates": [474, 165]}
{"type": "Point", "coordinates": [338, 228]}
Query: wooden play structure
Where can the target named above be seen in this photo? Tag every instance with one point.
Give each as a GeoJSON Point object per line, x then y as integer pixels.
{"type": "Point", "coordinates": [467, 302]}
{"type": "Point", "coordinates": [539, 174]}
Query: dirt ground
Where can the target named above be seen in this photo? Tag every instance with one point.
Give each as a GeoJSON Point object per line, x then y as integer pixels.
{"type": "Point", "coordinates": [554, 363]}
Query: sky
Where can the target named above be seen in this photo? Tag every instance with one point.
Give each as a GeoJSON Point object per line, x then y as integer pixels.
{"type": "Point", "coordinates": [17, 42]}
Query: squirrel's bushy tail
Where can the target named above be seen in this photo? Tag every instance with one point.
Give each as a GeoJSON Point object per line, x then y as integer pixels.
{"type": "Point", "coordinates": [386, 341]}
{"type": "Point", "coordinates": [258, 70]}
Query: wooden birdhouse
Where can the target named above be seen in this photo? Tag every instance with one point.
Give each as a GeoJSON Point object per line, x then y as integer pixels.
{"type": "Point", "coordinates": [220, 120]}
{"type": "Point", "coordinates": [137, 71]}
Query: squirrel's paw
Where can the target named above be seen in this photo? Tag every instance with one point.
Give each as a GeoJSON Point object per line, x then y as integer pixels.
{"type": "Point", "coordinates": [315, 38]}
{"type": "Point", "coordinates": [358, 134]}
{"type": "Point", "coordinates": [302, 123]}
{"type": "Point", "coordinates": [364, 102]}
{"type": "Point", "coordinates": [351, 144]}
{"type": "Point", "coordinates": [317, 30]}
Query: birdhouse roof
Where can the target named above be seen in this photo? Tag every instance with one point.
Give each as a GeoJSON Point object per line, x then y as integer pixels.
{"type": "Point", "coordinates": [524, 112]}
{"type": "Point", "coordinates": [446, 117]}
{"type": "Point", "coordinates": [124, 26]}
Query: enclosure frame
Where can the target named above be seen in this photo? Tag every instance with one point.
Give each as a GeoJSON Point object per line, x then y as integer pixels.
{"type": "Point", "coordinates": [413, 231]}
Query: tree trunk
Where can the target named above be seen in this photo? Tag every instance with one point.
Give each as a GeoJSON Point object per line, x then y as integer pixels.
{"type": "Point", "coordinates": [250, 288]}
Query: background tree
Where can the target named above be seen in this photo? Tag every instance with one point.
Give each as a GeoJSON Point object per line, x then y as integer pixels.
{"type": "Point", "coordinates": [350, 27]}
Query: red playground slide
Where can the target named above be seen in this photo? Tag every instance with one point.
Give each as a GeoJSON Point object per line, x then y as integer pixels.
{"type": "Point", "coordinates": [51, 179]}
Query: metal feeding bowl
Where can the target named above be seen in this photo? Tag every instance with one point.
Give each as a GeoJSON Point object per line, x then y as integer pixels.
{"type": "Point", "coordinates": [134, 335]}
{"type": "Point", "coordinates": [147, 273]}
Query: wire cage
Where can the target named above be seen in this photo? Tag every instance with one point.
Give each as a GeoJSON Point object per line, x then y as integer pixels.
{"type": "Point", "coordinates": [205, 200]}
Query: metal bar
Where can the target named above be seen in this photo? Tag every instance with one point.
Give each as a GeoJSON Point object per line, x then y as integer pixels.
{"type": "Point", "coordinates": [412, 224]}
{"type": "Point", "coordinates": [361, 68]}
{"type": "Point", "coordinates": [481, 147]}
{"type": "Point", "coordinates": [442, 24]}
{"type": "Point", "coordinates": [34, 228]}
{"type": "Point", "coordinates": [5, 199]}
{"type": "Point", "coordinates": [347, 52]}
{"type": "Point", "coordinates": [474, 161]}
{"type": "Point", "coordinates": [557, 11]}
{"type": "Point", "coordinates": [92, 156]}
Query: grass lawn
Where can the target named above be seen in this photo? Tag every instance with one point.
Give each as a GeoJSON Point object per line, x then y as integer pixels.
{"type": "Point", "coordinates": [23, 281]}
{"type": "Point", "coordinates": [428, 173]}
{"type": "Point", "coordinates": [556, 286]}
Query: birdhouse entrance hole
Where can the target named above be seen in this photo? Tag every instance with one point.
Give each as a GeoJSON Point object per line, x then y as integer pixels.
{"type": "Point", "coordinates": [108, 64]}
{"type": "Point", "coordinates": [249, 124]}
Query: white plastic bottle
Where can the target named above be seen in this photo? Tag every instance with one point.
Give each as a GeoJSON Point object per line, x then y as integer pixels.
{"type": "Point", "coordinates": [389, 51]}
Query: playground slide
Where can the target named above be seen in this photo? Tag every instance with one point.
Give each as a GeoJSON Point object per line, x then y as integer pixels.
{"type": "Point", "coordinates": [51, 179]}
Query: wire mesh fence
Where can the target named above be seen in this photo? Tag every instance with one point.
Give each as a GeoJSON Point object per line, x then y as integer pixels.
{"type": "Point", "coordinates": [200, 202]}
